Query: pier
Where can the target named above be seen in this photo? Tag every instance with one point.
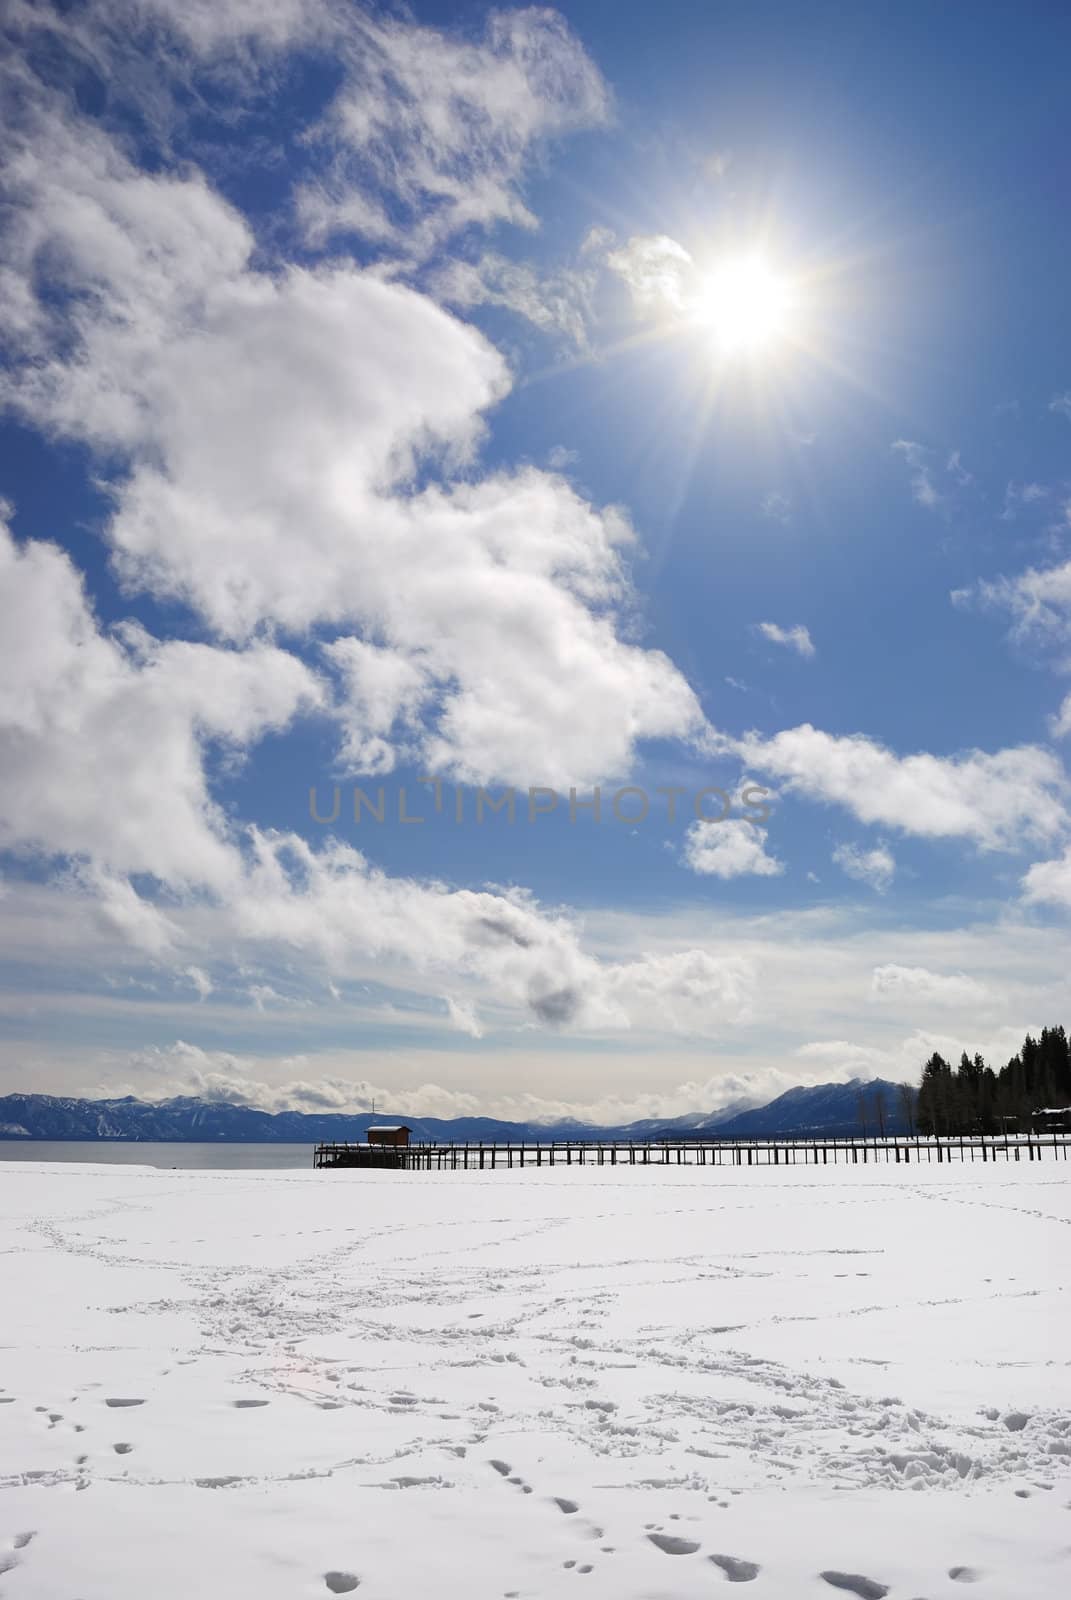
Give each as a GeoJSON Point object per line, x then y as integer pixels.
{"type": "Point", "coordinates": [691, 1151]}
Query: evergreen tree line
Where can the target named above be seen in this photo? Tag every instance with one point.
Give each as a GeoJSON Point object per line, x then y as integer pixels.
{"type": "Point", "coordinates": [972, 1098]}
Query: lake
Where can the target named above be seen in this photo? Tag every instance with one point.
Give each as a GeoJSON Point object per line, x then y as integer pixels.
{"type": "Point", "coordinates": [132, 1153]}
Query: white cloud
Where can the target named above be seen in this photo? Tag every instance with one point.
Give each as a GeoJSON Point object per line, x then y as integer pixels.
{"type": "Point", "coordinates": [920, 461]}
{"type": "Point", "coordinates": [1049, 882]}
{"type": "Point", "coordinates": [102, 737]}
{"type": "Point", "coordinates": [659, 272]}
{"type": "Point", "coordinates": [1060, 723]}
{"type": "Point", "coordinates": [796, 638]}
{"type": "Point", "coordinates": [730, 849]}
{"type": "Point", "coordinates": [776, 507]}
{"type": "Point", "coordinates": [463, 1017]}
{"type": "Point", "coordinates": [430, 134]}
{"type": "Point", "coordinates": [894, 982]}
{"type": "Point", "coordinates": [201, 981]}
{"type": "Point", "coordinates": [334, 906]}
{"type": "Point", "coordinates": [558, 302]}
{"type": "Point", "coordinates": [273, 425]}
{"type": "Point", "coordinates": [1017, 495]}
{"type": "Point", "coordinates": [1000, 801]}
{"type": "Point", "coordinates": [955, 468]}
{"type": "Point", "coordinates": [1038, 602]}
{"type": "Point", "coordinates": [876, 867]}
{"type": "Point", "coordinates": [296, 1083]}
{"type": "Point", "coordinates": [1061, 403]}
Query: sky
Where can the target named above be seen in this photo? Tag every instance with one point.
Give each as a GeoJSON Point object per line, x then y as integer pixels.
{"type": "Point", "coordinates": [406, 409]}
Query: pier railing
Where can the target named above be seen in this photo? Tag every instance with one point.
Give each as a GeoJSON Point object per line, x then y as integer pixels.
{"type": "Point", "coordinates": [470, 1156]}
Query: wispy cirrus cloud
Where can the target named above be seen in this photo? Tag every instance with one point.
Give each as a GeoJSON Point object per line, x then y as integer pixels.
{"type": "Point", "coordinates": [920, 461]}
{"type": "Point", "coordinates": [776, 507]}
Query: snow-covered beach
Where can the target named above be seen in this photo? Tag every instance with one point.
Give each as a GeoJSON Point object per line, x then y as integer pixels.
{"type": "Point", "coordinates": [618, 1384]}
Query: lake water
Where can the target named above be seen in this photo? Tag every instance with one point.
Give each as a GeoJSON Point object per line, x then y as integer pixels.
{"type": "Point", "coordinates": [122, 1153]}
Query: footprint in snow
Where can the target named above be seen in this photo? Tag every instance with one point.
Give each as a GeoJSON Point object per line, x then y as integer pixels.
{"type": "Point", "coordinates": [245, 1405]}
{"type": "Point", "coordinates": [568, 1506]}
{"type": "Point", "coordinates": [735, 1570]}
{"type": "Point", "coordinates": [671, 1544]}
{"type": "Point", "coordinates": [22, 1539]}
{"type": "Point", "coordinates": [114, 1402]}
{"type": "Point", "coordinates": [122, 1449]}
{"type": "Point", "coordinates": [865, 1588]}
{"type": "Point", "coordinates": [341, 1582]}
{"type": "Point", "coordinates": [964, 1574]}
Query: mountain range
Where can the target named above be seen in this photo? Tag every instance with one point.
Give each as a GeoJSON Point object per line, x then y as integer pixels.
{"type": "Point", "coordinates": [826, 1109]}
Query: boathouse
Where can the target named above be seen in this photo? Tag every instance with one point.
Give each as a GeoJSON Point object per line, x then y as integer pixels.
{"type": "Point", "coordinates": [396, 1133]}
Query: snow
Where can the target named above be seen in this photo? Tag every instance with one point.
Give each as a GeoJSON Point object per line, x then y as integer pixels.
{"type": "Point", "coordinates": [619, 1385]}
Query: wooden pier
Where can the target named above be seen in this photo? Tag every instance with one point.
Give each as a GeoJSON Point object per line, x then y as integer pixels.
{"type": "Point", "coordinates": [694, 1152]}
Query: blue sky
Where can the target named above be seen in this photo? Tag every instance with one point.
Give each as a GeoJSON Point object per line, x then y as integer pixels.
{"type": "Point", "coordinates": [617, 396]}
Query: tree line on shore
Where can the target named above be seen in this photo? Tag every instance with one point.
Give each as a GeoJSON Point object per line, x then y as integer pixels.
{"type": "Point", "coordinates": [973, 1098]}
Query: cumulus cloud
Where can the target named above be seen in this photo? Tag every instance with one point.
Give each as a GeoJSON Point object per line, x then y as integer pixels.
{"type": "Point", "coordinates": [288, 1084]}
{"type": "Point", "coordinates": [272, 427]}
{"type": "Point", "coordinates": [427, 132]}
{"type": "Point", "coordinates": [876, 867]}
{"type": "Point", "coordinates": [894, 982]}
{"type": "Point", "coordinates": [902, 1061]}
{"type": "Point", "coordinates": [1003, 800]}
{"type": "Point", "coordinates": [332, 904]}
{"type": "Point", "coordinates": [1049, 882]}
{"type": "Point", "coordinates": [730, 849]}
{"type": "Point", "coordinates": [103, 735]}
{"type": "Point", "coordinates": [796, 638]}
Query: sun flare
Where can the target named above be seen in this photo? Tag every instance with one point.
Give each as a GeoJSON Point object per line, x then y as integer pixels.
{"type": "Point", "coordinates": [747, 305]}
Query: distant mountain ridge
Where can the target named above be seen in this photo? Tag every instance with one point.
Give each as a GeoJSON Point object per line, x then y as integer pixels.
{"type": "Point", "coordinates": [827, 1109]}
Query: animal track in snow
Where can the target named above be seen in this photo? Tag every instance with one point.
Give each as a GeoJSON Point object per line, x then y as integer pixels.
{"type": "Point", "coordinates": [865, 1588]}
{"type": "Point", "coordinates": [671, 1544]}
{"type": "Point", "coordinates": [568, 1506]}
{"type": "Point", "coordinates": [341, 1582]}
{"type": "Point", "coordinates": [245, 1405]}
{"type": "Point", "coordinates": [114, 1402]}
{"type": "Point", "coordinates": [964, 1574]}
{"type": "Point", "coordinates": [735, 1570]}
{"type": "Point", "coordinates": [22, 1539]}
{"type": "Point", "coordinates": [122, 1449]}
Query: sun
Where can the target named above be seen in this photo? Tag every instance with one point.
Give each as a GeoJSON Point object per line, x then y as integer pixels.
{"type": "Point", "coordinates": [747, 305]}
